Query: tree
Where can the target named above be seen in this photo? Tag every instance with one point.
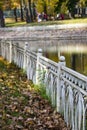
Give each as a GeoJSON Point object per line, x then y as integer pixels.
{"type": "Point", "coordinates": [15, 14]}
{"type": "Point", "coordinates": [46, 6]}
{"type": "Point", "coordinates": [14, 5]}
{"type": "Point", "coordinates": [51, 7]}
{"type": "Point", "coordinates": [6, 4]}
{"type": "Point", "coordinates": [71, 6]}
{"type": "Point", "coordinates": [34, 12]}
{"type": "Point", "coordinates": [31, 18]}
{"type": "Point", "coordinates": [67, 5]}
{"type": "Point", "coordinates": [83, 3]}
{"type": "Point", "coordinates": [22, 18]}
{"type": "Point", "coordinates": [39, 6]}
{"type": "Point", "coordinates": [2, 20]}
{"type": "Point", "coordinates": [58, 6]}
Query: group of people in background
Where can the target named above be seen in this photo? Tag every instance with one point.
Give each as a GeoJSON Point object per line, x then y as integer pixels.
{"type": "Point", "coordinates": [42, 17]}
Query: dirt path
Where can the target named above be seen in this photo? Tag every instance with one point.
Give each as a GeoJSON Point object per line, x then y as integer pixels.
{"type": "Point", "coordinates": [21, 108]}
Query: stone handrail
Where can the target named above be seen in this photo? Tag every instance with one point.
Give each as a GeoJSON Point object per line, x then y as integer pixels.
{"type": "Point", "coordinates": [66, 88]}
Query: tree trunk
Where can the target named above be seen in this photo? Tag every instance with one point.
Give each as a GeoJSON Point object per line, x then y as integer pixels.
{"type": "Point", "coordinates": [31, 18]}
{"type": "Point", "coordinates": [45, 7]}
{"type": "Point", "coordinates": [2, 20]}
{"type": "Point", "coordinates": [22, 18]}
{"type": "Point", "coordinates": [34, 12]}
{"type": "Point", "coordinates": [15, 14]}
{"type": "Point", "coordinates": [27, 16]}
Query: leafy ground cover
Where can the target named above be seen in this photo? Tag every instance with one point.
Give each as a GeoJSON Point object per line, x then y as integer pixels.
{"type": "Point", "coordinates": [21, 107]}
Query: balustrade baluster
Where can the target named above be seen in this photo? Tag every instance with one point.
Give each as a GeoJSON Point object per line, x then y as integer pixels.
{"type": "Point", "coordinates": [37, 66]}
{"type": "Point", "coordinates": [60, 64]}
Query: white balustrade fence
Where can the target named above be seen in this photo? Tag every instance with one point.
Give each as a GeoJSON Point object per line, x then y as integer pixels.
{"type": "Point", "coordinates": [66, 88]}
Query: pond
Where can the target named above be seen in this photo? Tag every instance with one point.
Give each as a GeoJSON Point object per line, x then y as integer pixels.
{"type": "Point", "coordinates": [75, 52]}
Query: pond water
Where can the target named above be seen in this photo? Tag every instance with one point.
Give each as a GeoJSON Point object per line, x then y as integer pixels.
{"type": "Point", "coordinates": [75, 52]}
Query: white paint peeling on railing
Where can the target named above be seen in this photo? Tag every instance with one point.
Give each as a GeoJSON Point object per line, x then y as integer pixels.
{"type": "Point", "coordinates": [66, 88]}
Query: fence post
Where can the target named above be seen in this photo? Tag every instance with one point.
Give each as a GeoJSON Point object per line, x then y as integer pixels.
{"type": "Point", "coordinates": [15, 54]}
{"type": "Point", "coordinates": [10, 58]}
{"type": "Point", "coordinates": [37, 65]}
{"type": "Point", "coordinates": [60, 64]}
{"type": "Point", "coordinates": [3, 50]}
{"type": "Point", "coordinates": [25, 48]}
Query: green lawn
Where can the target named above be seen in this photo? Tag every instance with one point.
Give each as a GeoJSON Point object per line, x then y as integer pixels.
{"type": "Point", "coordinates": [11, 22]}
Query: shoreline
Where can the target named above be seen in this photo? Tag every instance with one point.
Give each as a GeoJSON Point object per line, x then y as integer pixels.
{"type": "Point", "coordinates": [71, 31]}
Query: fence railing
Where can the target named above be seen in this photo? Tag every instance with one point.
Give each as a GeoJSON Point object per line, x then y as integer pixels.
{"type": "Point", "coordinates": [66, 88]}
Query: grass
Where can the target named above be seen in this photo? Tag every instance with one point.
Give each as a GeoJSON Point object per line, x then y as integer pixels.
{"type": "Point", "coordinates": [41, 90]}
{"type": "Point", "coordinates": [11, 22]}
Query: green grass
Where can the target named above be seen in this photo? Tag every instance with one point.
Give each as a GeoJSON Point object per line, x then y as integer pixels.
{"type": "Point", "coordinates": [11, 22]}
{"type": "Point", "coordinates": [40, 89]}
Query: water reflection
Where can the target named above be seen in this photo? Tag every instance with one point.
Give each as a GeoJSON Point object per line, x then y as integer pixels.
{"type": "Point", "coordinates": [75, 52]}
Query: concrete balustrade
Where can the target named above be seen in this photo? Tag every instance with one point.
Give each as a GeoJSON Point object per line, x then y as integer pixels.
{"type": "Point", "coordinates": [66, 88]}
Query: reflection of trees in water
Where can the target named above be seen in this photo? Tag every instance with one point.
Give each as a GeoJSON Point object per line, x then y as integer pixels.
{"type": "Point", "coordinates": [79, 62]}
{"type": "Point", "coordinates": [52, 49]}
{"type": "Point", "coordinates": [75, 58]}
{"type": "Point", "coordinates": [82, 61]}
{"type": "Point", "coordinates": [73, 61]}
{"type": "Point", "coordinates": [46, 44]}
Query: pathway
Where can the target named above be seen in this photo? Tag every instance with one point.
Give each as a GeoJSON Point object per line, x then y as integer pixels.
{"type": "Point", "coordinates": [21, 107]}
